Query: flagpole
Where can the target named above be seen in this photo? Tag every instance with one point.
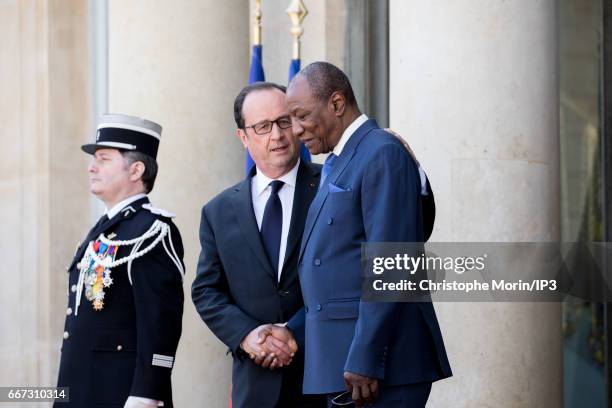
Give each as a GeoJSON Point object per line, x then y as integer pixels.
{"type": "Point", "coordinates": [256, 72]}
{"type": "Point", "coordinates": [257, 25]}
{"type": "Point", "coordinates": [297, 11]}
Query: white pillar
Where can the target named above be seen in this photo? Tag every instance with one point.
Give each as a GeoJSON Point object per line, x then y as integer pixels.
{"type": "Point", "coordinates": [182, 64]}
{"type": "Point", "coordinates": [44, 204]}
{"type": "Point", "coordinates": [474, 90]}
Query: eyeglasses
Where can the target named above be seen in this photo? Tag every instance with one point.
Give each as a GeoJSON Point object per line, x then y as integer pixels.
{"type": "Point", "coordinates": [343, 400]}
{"type": "Point", "coordinates": [265, 126]}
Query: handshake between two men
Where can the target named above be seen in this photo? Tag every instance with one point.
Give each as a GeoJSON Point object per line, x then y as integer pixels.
{"type": "Point", "coordinates": [273, 346]}
{"type": "Point", "coordinates": [270, 346]}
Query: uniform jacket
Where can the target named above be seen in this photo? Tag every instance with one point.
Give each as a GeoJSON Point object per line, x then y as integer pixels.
{"type": "Point", "coordinates": [128, 347]}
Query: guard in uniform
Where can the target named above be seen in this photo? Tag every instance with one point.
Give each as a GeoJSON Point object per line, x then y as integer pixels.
{"type": "Point", "coordinates": [125, 299]}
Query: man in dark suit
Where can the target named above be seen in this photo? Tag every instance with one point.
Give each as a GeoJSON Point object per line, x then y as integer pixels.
{"type": "Point", "coordinates": [247, 272]}
{"type": "Point", "coordinates": [370, 192]}
{"type": "Point", "coordinates": [125, 301]}
{"type": "Point", "coordinates": [250, 236]}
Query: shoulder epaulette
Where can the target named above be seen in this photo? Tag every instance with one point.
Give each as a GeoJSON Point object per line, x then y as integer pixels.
{"type": "Point", "coordinates": [158, 211]}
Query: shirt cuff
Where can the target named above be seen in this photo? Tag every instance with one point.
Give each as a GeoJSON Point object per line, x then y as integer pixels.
{"type": "Point", "coordinates": [423, 181]}
{"type": "Point", "coordinates": [140, 402]}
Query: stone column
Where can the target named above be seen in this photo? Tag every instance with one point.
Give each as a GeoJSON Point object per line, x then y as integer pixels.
{"type": "Point", "coordinates": [474, 90]}
{"type": "Point", "coordinates": [182, 64]}
{"type": "Point", "coordinates": [44, 202]}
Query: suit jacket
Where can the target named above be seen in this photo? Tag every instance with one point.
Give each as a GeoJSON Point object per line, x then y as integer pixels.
{"type": "Point", "coordinates": [372, 194]}
{"type": "Point", "coordinates": [236, 288]}
{"type": "Point", "coordinates": [108, 355]}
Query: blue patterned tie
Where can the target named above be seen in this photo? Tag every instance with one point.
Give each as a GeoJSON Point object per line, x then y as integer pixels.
{"type": "Point", "coordinates": [327, 167]}
{"type": "Point", "coordinates": [272, 224]}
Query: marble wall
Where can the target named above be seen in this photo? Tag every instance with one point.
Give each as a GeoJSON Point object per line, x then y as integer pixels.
{"type": "Point", "coordinates": [182, 67]}
{"type": "Point", "coordinates": [44, 203]}
{"type": "Point", "coordinates": [474, 90]}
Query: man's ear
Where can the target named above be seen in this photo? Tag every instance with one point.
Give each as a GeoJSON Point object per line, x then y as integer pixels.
{"type": "Point", "coordinates": [136, 170]}
{"type": "Point", "coordinates": [242, 136]}
{"type": "Point", "coordinates": [337, 103]}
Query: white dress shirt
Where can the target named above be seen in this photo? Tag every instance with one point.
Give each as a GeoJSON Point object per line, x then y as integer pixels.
{"type": "Point", "coordinates": [350, 130]}
{"type": "Point", "coordinates": [260, 192]}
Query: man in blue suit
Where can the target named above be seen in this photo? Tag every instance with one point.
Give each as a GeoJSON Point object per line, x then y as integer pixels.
{"type": "Point", "coordinates": [382, 352]}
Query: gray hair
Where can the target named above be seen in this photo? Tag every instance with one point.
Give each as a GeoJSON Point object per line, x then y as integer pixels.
{"type": "Point", "coordinates": [150, 171]}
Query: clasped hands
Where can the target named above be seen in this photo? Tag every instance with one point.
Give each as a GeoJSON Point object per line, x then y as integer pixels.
{"type": "Point", "coordinates": [270, 346]}
{"type": "Point", "coordinates": [273, 346]}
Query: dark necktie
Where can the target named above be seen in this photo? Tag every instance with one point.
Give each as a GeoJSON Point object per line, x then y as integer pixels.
{"type": "Point", "coordinates": [95, 229]}
{"type": "Point", "coordinates": [272, 224]}
{"type": "Point", "coordinates": [327, 167]}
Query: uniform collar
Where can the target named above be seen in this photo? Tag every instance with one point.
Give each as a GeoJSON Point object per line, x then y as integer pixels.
{"type": "Point", "coordinates": [122, 204]}
{"type": "Point", "coordinates": [261, 181]}
{"type": "Point", "coordinates": [348, 132]}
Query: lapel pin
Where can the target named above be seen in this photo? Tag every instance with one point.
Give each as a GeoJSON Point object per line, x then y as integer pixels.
{"type": "Point", "coordinates": [127, 211]}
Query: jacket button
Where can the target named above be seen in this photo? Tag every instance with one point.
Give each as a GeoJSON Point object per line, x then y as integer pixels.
{"type": "Point", "coordinates": [79, 266]}
{"type": "Point", "coordinates": [66, 335]}
{"type": "Point", "coordinates": [283, 292]}
{"type": "Point", "coordinates": [73, 288]}
{"type": "Point", "coordinates": [69, 311]}
{"type": "Point", "coordinates": [306, 309]}
{"type": "Point", "coordinates": [119, 347]}
{"type": "Point", "coordinates": [317, 262]}
{"type": "Point", "coordinates": [330, 221]}
{"type": "Point", "coordinates": [319, 307]}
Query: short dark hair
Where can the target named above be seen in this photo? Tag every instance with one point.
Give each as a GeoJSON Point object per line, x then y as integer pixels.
{"type": "Point", "coordinates": [239, 101]}
{"type": "Point", "coordinates": [324, 79]}
{"type": "Point", "coordinates": [150, 171]}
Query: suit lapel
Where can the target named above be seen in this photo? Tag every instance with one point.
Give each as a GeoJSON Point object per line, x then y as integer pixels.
{"type": "Point", "coordinates": [243, 208]}
{"type": "Point", "coordinates": [305, 190]}
{"type": "Point", "coordinates": [341, 163]}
